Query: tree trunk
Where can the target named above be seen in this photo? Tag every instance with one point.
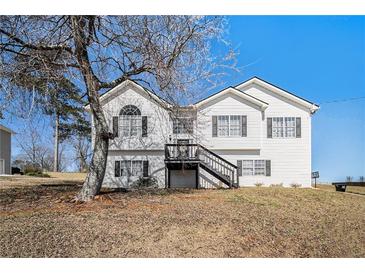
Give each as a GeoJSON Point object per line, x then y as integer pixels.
{"type": "Point", "coordinates": [56, 144]}
{"type": "Point", "coordinates": [95, 176]}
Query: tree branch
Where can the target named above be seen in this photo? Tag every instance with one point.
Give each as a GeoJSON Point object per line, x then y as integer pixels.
{"type": "Point", "coordinates": [34, 47]}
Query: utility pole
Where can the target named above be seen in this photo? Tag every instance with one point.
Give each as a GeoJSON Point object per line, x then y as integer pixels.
{"type": "Point", "coordinates": [56, 144]}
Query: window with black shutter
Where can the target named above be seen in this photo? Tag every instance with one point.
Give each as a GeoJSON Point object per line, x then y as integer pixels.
{"type": "Point", "coordinates": [144, 126]}
{"type": "Point", "coordinates": [268, 168]}
{"type": "Point", "coordinates": [239, 167]}
{"type": "Point", "coordinates": [298, 127]}
{"type": "Point", "coordinates": [115, 126]}
{"type": "Point", "coordinates": [117, 169]}
{"type": "Point", "coordinates": [214, 126]}
{"type": "Point", "coordinates": [244, 126]}
{"type": "Point", "coordinates": [269, 127]}
{"type": "Point", "coordinates": [145, 169]}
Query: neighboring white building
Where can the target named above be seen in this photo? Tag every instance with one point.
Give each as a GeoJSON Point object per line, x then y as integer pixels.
{"type": "Point", "coordinates": [253, 133]}
{"type": "Point", "coordinates": [5, 150]}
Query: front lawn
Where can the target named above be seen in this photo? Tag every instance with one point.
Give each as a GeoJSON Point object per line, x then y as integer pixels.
{"type": "Point", "coordinates": [40, 221]}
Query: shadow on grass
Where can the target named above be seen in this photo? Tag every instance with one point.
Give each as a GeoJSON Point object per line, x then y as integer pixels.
{"type": "Point", "coordinates": [147, 191]}
{"type": "Point", "coordinates": [36, 193]}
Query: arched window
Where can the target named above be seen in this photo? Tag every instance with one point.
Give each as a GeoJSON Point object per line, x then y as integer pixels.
{"type": "Point", "coordinates": [131, 121]}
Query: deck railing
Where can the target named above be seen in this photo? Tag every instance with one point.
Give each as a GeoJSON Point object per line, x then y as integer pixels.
{"type": "Point", "coordinates": [195, 152]}
{"type": "Point", "coordinates": [181, 152]}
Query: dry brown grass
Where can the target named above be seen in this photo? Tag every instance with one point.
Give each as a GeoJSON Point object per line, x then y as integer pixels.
{"type": "Point", "coordinates": [75, 176]}
{"type": "Point", "coordinates": [40, 221]}
{"type": "Point", "coordinates": [62, 178]}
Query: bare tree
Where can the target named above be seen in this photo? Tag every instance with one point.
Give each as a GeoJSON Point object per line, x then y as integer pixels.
{"type": "Point", "coordinates": [82, 152]}
{"type": "Point", "coordinates": [172, 54]}
{"type": "Point", "coordinates": [34, 151]}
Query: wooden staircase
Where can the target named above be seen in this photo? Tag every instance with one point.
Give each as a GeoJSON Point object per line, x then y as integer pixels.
{"type": "Point", "coordinates": [214, 164]}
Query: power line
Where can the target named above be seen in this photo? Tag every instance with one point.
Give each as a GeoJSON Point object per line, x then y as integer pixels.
{"type": "Point", "coordinates": [343, 100]}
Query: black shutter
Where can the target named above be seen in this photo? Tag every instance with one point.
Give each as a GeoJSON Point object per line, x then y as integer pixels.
{"type": "Point", "coordinates": [117, 169]}
{"type": "Point", "coordinates": [115, 126]}
{"type": "Point", "coordinates": [268, 167]}
{"type": "Point", "coordinates": [269, 127]}
{"type": "Point", "coordinates": [239, 167]}
{"type": "Point", "coordinates": [214, 126]}
{"type": "Point", "coordinates": [244, 126]}
{"type": "Point", "coordinates": [144, 126]}
{"type": "Point", "coordinates": [298, 123]}
{"type": "Point", "coordinates": [145, 168]}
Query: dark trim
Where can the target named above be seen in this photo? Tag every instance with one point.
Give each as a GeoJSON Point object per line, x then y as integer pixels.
{"type": "Point", "coordinates": [168, 178]}
{"type": "Point", "coordinates": [278, 88]}
{"type": "Point", "coordinates": [197, 176]}
{"type": "Point", "coordinates": [166, 183]}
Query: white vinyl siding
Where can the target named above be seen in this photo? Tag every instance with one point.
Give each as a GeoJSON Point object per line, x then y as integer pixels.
{"type": "Point", "coordinates": [283, 127]}
{"type": "Point", "coordinates": [253, 167]}
{"type": "Point", "coordinates": [228, 125]}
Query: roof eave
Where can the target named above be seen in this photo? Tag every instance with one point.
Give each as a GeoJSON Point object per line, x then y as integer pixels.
{"type": "Point", "coordinates": [4, 128]}
{"type": "Point", "coordinates": [286, 94]}
{"type": "Point", "coordinates": [263, 105]}
{"type": "Point", "coordinates": [127, 82]}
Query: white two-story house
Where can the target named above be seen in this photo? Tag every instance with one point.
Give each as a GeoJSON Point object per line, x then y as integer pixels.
{"type": "Point", "coordinates": [250, 134]}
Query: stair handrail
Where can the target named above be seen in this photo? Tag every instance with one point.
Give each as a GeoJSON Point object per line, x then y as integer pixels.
{"type": "Point", "coordinates": [219, 157]}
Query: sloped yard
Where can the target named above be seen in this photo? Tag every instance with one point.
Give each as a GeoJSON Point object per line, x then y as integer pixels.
{"type": "Point", "coordinates": [40, 221]}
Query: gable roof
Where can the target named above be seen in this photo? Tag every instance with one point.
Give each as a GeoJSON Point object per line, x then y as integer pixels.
{"type": "Point", "coordinates": [261, 104]}
{"type": "Point", "coordinates": [236, 90]}
{"type": "Point", "coordinates": [282, 92]}
{"type": "Point", "coordinates": [124, 84]}
{"type": "Point", "coordinates": [6, 129]}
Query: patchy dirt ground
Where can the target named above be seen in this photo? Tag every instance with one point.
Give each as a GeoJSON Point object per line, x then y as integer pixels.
{"type": "Point", "coordinates": [40, 221]}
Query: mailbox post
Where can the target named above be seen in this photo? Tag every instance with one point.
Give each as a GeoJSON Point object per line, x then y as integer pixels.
{"type": "Point", "coordinates": [315, 175]}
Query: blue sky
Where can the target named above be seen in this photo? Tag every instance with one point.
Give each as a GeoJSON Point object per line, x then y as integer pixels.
{"type": "Point", "coordinates": [319, 58]}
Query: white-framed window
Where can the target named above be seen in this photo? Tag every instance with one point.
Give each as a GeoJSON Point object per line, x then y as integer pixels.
{"type": "Point", "coordinates": [290, 126]}
{"type": "Point", "coordinates": [131, 121]}
{"type": "Point", "coordinates": [131, 168]}
{"type": "Point", "coordinates": [234, 125]}
{"type": "Point", "coordinates": [229, 125]}
{"type": "Point", "coordinates": [283, 127]}
{"type": "Point", "coordinates": [137, 168]}
{"type": "Point", "coordinates": [253, 167]}
{"type": "Point", "coordinates": [259, 166]}
{"type": "Point", "coordinates": [247, 167]}
{"type": "Point", "coordinates": [182, 125]}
